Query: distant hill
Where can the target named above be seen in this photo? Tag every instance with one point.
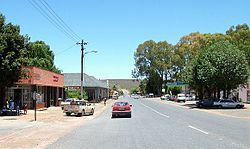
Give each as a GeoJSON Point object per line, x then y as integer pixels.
{"type": "Point", "coordinates": [123, 83]}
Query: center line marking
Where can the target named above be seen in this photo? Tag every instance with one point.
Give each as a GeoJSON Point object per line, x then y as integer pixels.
{"type": "Point", "coordinates": [198, 129]}
{"type": "Point", "coordinates": [155, 110]}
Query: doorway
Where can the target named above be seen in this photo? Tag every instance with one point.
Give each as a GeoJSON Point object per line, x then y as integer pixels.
{"type": "Point", "coordinates": [18, 97]}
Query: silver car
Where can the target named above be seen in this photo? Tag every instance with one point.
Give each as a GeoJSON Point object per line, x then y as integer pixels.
{"type": "Point", "coordinates": [228, 103]}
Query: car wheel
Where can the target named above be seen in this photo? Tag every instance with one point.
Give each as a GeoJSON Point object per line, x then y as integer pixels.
{"type": "Point", "coordinates": [92, 111]}
{"type": "Point", "coordinates": [83, 112]}
{"type": "Point", "coordinates": [220, 106]}
{"type": "Point", "coordinates": [238, 107]}
{"type": "Point", "coordinates": [79, 114]}
{"type": "Point", "coordinates": [68, 114]}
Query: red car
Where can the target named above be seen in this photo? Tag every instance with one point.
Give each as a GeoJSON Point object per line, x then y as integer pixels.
{"type": "Point", "coordinates": [121, 108]}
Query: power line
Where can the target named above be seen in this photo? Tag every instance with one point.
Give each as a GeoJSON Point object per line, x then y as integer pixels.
{"type": "Point", "coordinates": [55, 24]}
{"type": "Point", "coordinates": [65, 50]}
{"type": "Point", "coordinates": [59, 18]}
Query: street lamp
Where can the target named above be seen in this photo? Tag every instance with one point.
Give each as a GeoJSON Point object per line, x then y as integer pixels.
{"type": "Point", "coordinates": [82, 74]}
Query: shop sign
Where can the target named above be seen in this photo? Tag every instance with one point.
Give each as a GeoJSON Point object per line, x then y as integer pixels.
{"type": "Point", "coordinates": [55, 78]}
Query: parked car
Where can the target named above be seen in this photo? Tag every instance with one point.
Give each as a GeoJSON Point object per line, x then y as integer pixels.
{"type": "Point", "coordinates": [151, 95]}
{"type": "Point", "coordinates": [189, 97]}
{"type": "Point", "coordinates": [228, 103]}
{"type": "Point", "coordinates": [206, 103]}
{"type": "Point", "coordinates": [79, 107]}
{"type": "Point", "coordinates": [121, 108]}
{"type": "Point", "coordinates": [67, 102]}
{"type": "Point", "coordinates": [181, 97]}
{"type": "Point", "coordinates": [172, 98]}
{"type": "Point", "coordinates": [136, 96]}
{"type": "Point", "coordinates": [165, 97]}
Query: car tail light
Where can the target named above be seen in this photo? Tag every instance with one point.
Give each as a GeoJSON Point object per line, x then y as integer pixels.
{"type": "Point", "coordinates": [127, 108]}
{"type": "Point", "coordinates": [115, 108]}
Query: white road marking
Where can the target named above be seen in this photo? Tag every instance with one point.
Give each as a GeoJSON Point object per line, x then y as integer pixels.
{"type": "Point", "coordinates": [198, 129]}
{"type": "Point", "coordinates": [155, 110]}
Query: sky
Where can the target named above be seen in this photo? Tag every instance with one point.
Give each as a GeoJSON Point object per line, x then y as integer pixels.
{"type": "Point", "coordinates": [115, 28]}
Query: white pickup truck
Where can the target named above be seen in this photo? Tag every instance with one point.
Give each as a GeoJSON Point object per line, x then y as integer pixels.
{"type": "Point", "coordinates": [79, 107]}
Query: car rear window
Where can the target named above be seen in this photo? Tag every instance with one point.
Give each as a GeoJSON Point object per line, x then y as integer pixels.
{"type": "Point", "coordinates": [121, 103]}
{"type": "Point", "coordinates": [68, 100]}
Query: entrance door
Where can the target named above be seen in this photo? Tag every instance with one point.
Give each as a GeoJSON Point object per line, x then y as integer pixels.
{"type": "Point", "coordinates": [18, 97]}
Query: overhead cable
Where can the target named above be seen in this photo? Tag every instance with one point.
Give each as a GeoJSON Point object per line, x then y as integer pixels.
{"type": "Point", "coordinates": [65, 50]}
{"type": "Point", "coordinates": [51, 20]}
{"type": "Point", "coordinates": [59, 19]}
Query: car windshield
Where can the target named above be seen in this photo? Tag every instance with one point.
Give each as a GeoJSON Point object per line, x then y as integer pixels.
{"type": "Point", "coordinates": [68, 100]}
{"type": "Point", "coordinates": [181, 95]}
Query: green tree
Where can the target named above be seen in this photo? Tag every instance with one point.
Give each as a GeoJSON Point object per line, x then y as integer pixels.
{"type": "Point", "coordinates": [240, 36]}
{"type": "Point", "coordinates": [174, 89]}
{"type": "Point", "coordinates": [134, 90]}
{"type": "Point", "coordinates": [152, 61]}
{"type": "Point", "coordinates": [76, 94]}
{"type": "Point", "coordinates": [189, 47]}
{"type": "Point", "coordinates": [142, 86]}
{"type": "Point", "coordinates": [12, 50]}
{"type": "Point", "coordinates": [220, 66]}
{"type": "Point", "coordinates": [114, 88]}
{"type": "Point", "coordinates": [40, 55]}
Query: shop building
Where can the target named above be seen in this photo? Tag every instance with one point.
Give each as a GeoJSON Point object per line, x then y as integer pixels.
{"type": "Point", "coordinates": [40, 84]}
{"type": "Point", "coordinates": [96, 89]}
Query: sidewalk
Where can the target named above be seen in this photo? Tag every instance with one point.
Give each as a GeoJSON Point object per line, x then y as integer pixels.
{"type": "Point", "coordinates": [236, 113]}
{"type": "Point", "coordinates": [23, 132]}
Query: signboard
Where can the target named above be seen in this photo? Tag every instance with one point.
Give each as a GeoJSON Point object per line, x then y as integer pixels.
{"type": "Point", "coordinates": [37, 97]}
{"type": "Point", "coordinates": [178, 83]}
{"type": "Point", "coordinates": [55, 78]}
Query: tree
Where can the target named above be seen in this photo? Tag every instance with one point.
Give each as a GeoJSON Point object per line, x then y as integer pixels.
{"type": "Point", "coordinates": [152, 60]}
{"type": "Point", "coordinates": [12, 50]}
{"type": "Point", "coordinates": [188, 48]}
{"type": "Point", "coordinates": [134, 90]}
{"type": "Point", "coordinates": [220, 66]}
{"type": "Point", "coordinates": [40, 55]}
{"type": "Point", "coordinates": [174, 89]}
{"type": "Point", "coordinates": [240, 36]}
{"type": "Point", "coordinates": [114, 88]}
{"type": "Point", "coordinates": [76, 94]}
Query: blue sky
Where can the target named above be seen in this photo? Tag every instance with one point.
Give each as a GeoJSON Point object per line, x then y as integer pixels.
{"type": "Point", "coordinates": [115, 28]}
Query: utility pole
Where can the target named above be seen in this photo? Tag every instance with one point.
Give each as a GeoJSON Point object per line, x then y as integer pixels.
{"type": "Point", "coordinates": [82, 56]}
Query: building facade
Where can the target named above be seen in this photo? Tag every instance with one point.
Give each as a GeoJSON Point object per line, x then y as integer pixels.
{"type": "Point", "coordinates": [44, 86]}
{"type": "Point", "coordinates": [244, 93]}
{"type": "Point", "coordinates": [96, 89]}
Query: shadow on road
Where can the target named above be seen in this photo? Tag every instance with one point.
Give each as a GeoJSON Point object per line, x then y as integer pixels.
{"type": "Point", "coordinates": [194, 106]}
{"type": "Point", "coordinates": [121, 117]}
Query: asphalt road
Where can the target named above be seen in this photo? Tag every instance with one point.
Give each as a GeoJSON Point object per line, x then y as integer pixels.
{"type": "Point", "coordinates": [159, 126]}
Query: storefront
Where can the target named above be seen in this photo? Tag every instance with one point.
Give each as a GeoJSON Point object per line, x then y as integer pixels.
{"type": "Point", "coordinates": [44, 86]}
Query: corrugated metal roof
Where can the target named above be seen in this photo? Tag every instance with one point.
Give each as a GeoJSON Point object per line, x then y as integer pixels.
{"type": "Point", "coordinates": [74, 79]}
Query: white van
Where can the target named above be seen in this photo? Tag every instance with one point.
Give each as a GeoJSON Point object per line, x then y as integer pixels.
{"type": "Point", "coordinates": [181, 97]}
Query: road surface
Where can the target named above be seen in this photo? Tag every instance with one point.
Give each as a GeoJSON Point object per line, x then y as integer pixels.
{"type": "Point", "coordinates": [159, 126]}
